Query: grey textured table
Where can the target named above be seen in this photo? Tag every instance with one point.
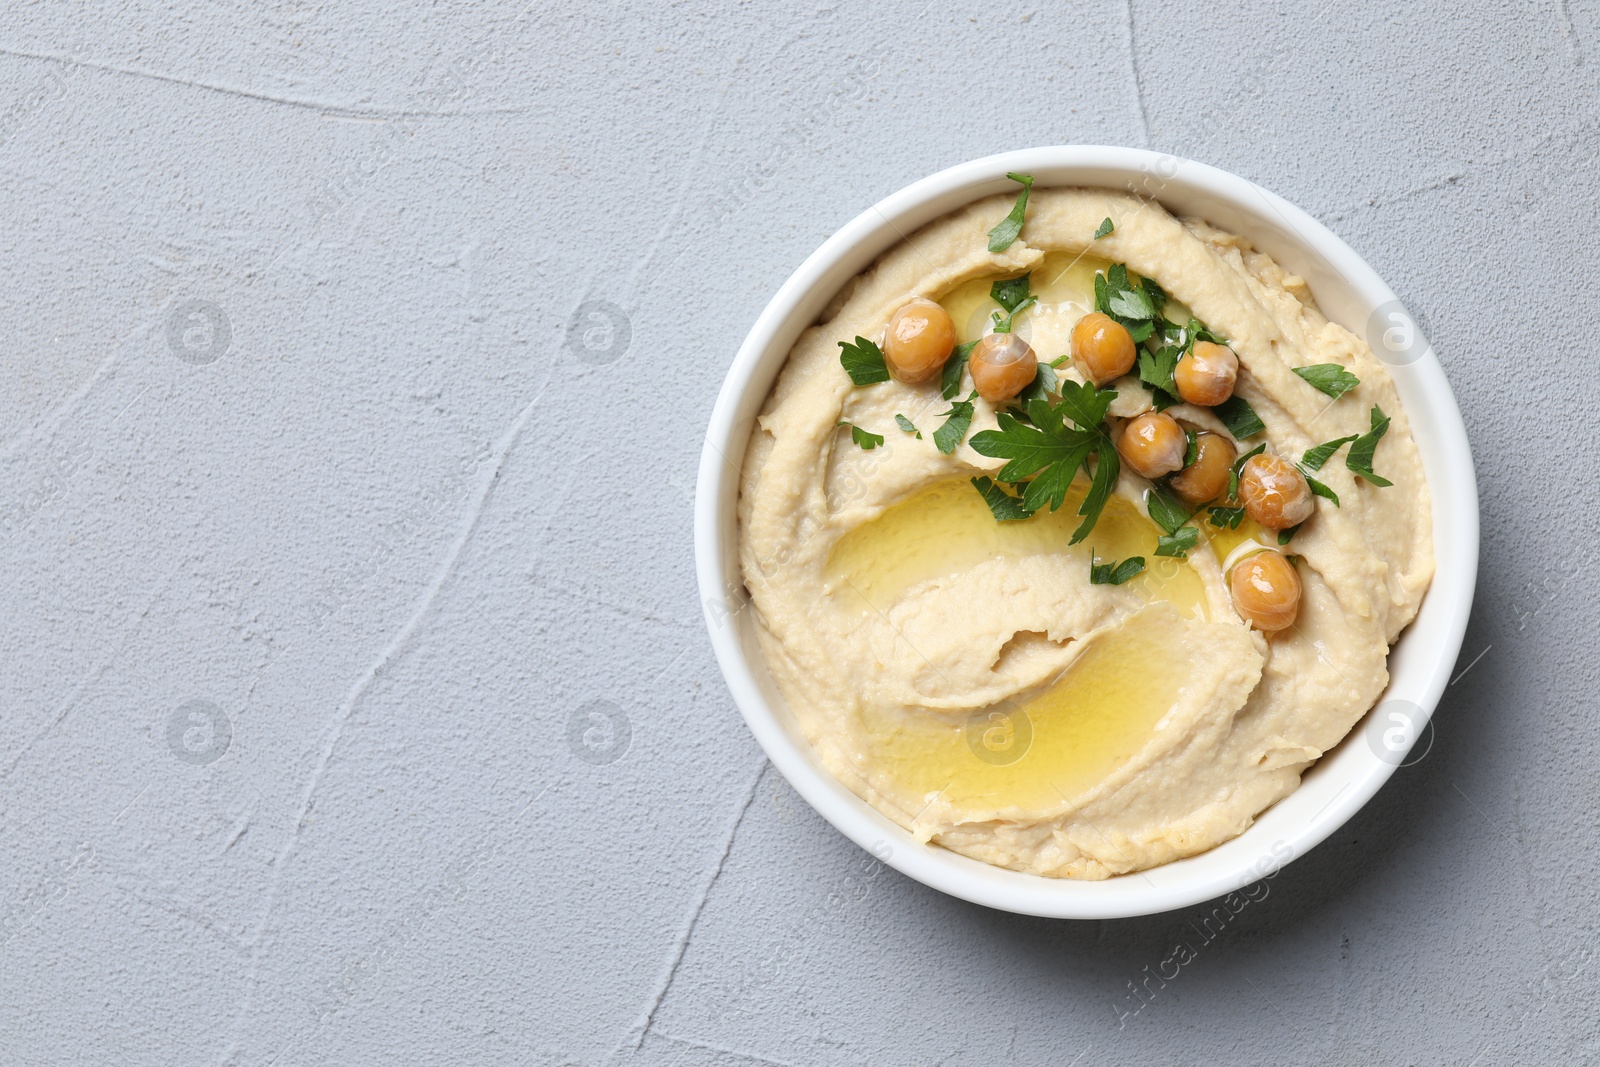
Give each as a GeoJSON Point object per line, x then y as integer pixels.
{"type": "Point", "coordinates": [354, 696]}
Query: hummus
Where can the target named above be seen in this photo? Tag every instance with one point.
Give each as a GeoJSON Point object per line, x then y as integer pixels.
{"type": "Point", "coordinates": [963, 675]}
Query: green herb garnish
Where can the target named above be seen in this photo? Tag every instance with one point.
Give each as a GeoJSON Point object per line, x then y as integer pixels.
{"type": "Point", "coordinates": [1238, 416]}
{"type": "Point", "coordinates": [864, 438]}
{"type": "Point", "coordinates": [1228, 518]}
{"type": "Point", "coordinates": [1164, 511]}
{"type": "Point", "coordinates": [1002, 236]}
{"type": "Point", "coordinates": [906, 425]}
{"type": "Point", "coordinates": [1050, 453]}
{"type": "Point", "coordinates": [863, 361]}
{"type": "Point", "coordinates": [1191, 447]}
{"type": "Point", "coordinates": [1006, 508]}
{"type": "Point", "coordinates": [1316, 457]}
{"type": "Point", "coordinates": [1238, 465]}
{"type": "Point", "coordinates": [1045, 381]}
{"type": "Point", "coordinates": [950, 433]}
{"type": "Point", "coordinates": [1135, 306]}
{"type": "Point", "coordinates": [1285, 536]}
{"type": "Point", "coordinates": [1330, 378]}
{"type": "Point", "coordinates": [1318, 489]}
{"type": "Point", "coordinates": [1359, 458]}
{"type": "Point", "coordinates": [950, 382]}
{"type": "Point", "coordinates": [1105, 229]}
{"type": "Point", "coordinates": [1178, 543]}
{"type": "Point", "coordinates": [1012, 294]}
{"type": "Point", "coordinates": [1114, 573]}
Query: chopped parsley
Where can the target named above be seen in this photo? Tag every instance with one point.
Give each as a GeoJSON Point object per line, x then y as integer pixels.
{"type": "Point", "coordinates": [1006, 508]}
{"type": "Point", "coordinates": [1008, 229]}
{"type": "Point", "coordinates": [1012, 294]}
{"type": "Point", "coordinates": [1191, 447]}
{"type": "Point", "coordinates": [1114, 573]}
{"type": "Point", "coordinates": [949, 435]}
{"type": "Point", "coordinates": [1318, 489]}
{"type": "Point", "coordinates": [1136, 305]}
{"type": "Point", "coordinates": [1330, 378]}
{"type": "Point", "coordinates": [1285, 536]}
{"type": "Point", "coordinates": [863, 361]}
{"type": "Point", "coordinates": [1105, 229]}
{"type": "Point", "coordinates": [864, 438]}
{"type": "Point", "coordinates": [1225, 518]}
{"type": "Point", "coordinates": [1316, 457]}
{"type": "Point", "coordinates": [1238, 465]}
{"type": "Point", "coordinates": [1359, 458]}
{"type": "Point", "coordinates": [950, 382]}
{"type": "Point", "coordinates": [907, 425]}
{"type": "Point", "coordinates": [1046, 453]}
{"type": "Point", "coordinates": [1178, 543]}
{"type": "Point", "coordinates": [1045, 381]}
{"type": "Point", "coordinates": [1239, 417]}
{"type": "Point", "coordinates": [1164, 511]}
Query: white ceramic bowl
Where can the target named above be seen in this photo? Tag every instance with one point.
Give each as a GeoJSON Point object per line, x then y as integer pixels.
{"type": "Point", "coordinates": [1349, 292]}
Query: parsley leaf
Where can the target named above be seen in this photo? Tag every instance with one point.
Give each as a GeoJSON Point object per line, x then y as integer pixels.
{"type": "Point", "coordinates": [1316, 457]}
{"type": "Point", "coordinates": [1178, 543]}
{"type": "Point", "coordinates": [863, 361]}
{"type": "Point", "coordinates": [1008, 229]}
{"type": "Point", "coordinates": [1134, 306]}
{"type": "Point", "coordinates": [1164, 511]}
{"type": "Point", "coordinates": [906, 425]}
{"type": "Point", "coordinates": [1359, 458]}
{"type": "Point", "coordinates": [1051, 453]}
{"type": "Point", "coordinates": [1156, 370]}
{"type": "Point", "coordinates": [1045, 381]}
{"type": "Point", "coordinates": [867, 440]}
{"type": "Point", "coordinates": [1114, 573]}
{"type": "Point", "coordinates": [1238, 465]}
{"type": "Point", "coordinates": [1330, 378]}
{"type": "Point", "coordinates": [948, 436]}
{"type": "Point", "coordinates": [1238, 416]}
{"type": "Point", "coordinates": [1191, 447]}
{"type": "Point", "coordinates": [1012, 294]}
{"type": "Point", "coordinates": [1006, 508]}
{"type": "Point", "coordinates": [950, 382]}
{"type": "Point", "coordinates": [1285, 536]}
{"type": "Point", "coordinates": [1229, 518]}
{"type": "Point", "coordinates": [1105, 229]}
{"type": "Point", "coordinates": [1318, 489]}
{"type": "Point", "coordinates": [1131, 304]}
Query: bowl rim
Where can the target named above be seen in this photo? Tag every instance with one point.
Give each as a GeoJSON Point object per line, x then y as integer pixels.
{"type": "Point", "coordinates": [1348, 291]}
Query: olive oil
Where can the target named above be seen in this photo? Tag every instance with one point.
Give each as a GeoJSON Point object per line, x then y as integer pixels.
{"type": "Point", "coordinates": [1045, 752]}
{"type": "Point", "coordinates": [946, 528]}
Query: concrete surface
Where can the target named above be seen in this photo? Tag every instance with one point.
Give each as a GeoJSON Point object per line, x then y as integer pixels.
{"type": "Point", "coordinates": [354, 695]}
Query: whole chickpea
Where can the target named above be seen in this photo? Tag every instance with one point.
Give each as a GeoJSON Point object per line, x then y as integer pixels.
{"type": "Point", "coordinates": [1002, 365]}
{"type": "Point", "coordinates": [1152, 444]}
{"type": "Point", "coordinates": [1274, 493]}
{"type": "Point", "coordinates": [918, 340]}
{"type": "Point", "coordinates": [1102, 348]}
{"type": "Point", "coordinates": [1207, 477]}
{"type": "Point", "coordinates": [1206, 375]}
{"type": "Point", "coordinates": [1266, 591]}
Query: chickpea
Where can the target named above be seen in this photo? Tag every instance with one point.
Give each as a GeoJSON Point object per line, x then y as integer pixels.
{"type": "Point", "coordinates": [918, 341]}
{"type": "Point", "coordinates": [1102, 348]}
{"type": "Point", "coordinates": [1266, 591]}
{"type": "Point", "coordinates": [1002, 365]}
{"type": "Point", "coordinates": [1274, 493]}
{"type": "Point", "coordinates": [1206, 375]}
{"type": "Point", "coordinates": [1207, 477]}
{"type": "Point", "coordinates": [1152, 444]}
